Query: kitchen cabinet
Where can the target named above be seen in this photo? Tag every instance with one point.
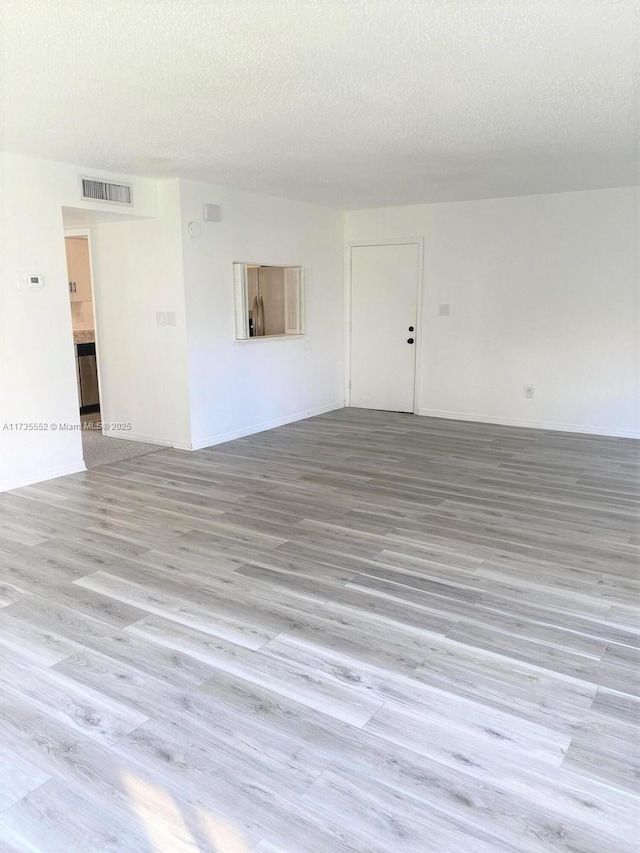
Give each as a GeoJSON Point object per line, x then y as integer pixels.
{"type": "Point", "coordinates": [79, 269]}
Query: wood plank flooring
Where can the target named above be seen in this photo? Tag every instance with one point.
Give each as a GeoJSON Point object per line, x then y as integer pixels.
{"type": "Point", "coordinates": [361, 632]}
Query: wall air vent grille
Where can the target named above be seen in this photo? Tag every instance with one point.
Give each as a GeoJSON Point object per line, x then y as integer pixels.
{"type": "Point", "coordinates": [95, 190]}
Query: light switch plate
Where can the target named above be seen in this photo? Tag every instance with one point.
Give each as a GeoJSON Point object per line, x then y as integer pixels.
{"type": "Point", "coordinates": [165, 318]}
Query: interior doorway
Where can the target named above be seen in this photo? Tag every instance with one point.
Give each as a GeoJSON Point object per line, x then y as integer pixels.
{"type": "Point", "coordinates": [81, 301]}
{"type": "Point", "coordinates": [384, 335]}
{"type": "Point", "coordinates": [100, 444]}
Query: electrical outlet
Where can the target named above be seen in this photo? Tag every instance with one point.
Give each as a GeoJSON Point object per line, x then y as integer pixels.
{"type": "Point", "coordinates": [529, 391]}
{"type": "Point", "coordinates": [444, 309]}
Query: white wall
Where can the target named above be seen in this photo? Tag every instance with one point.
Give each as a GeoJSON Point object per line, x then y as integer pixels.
{"type": "Point", "coordinates": [543, 290]}
{"type": "Point", "coordinates": [37, 368]}
{"type": "Point", "coordinates": [239, 388]}
{"type": "Point", "coordinates": [185, 385]}
{"type": "Point", "coordinates": [137, 271]}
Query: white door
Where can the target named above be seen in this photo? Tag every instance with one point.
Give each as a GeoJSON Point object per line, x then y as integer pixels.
{"type": "Point", "coordinates": [384, 297]}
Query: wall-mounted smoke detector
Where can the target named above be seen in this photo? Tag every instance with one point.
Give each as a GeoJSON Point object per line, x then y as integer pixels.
{"type": "Point", "coordinates": [94, 189]}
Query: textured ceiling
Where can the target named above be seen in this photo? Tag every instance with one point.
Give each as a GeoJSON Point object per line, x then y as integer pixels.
{"type": "Point", "coordinates": [354, 103]}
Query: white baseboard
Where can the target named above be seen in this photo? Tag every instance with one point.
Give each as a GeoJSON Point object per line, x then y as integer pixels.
{"type": "Point", "coordinates": [146, 439]}
{"type": "Point", "coordinates": [521, 422]}
{"type": "Point", "coordinates": [276, 422]}
{"type": "Point", "coordinates": [40, 476]}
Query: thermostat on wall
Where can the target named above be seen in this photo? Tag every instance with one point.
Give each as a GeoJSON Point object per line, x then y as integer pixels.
{"type": "Point", "coordinates": [30, 281]}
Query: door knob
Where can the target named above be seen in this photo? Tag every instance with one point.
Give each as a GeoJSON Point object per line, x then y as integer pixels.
{"type": "Point", "coordinates": [409, 340]}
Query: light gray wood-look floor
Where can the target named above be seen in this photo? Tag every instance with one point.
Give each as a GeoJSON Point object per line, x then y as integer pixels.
{"type": "Point", "coordinates": [361, 632]}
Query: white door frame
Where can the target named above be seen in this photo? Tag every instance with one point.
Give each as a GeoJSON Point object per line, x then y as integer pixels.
{"type": "Point", "coordinates": [393, 241]}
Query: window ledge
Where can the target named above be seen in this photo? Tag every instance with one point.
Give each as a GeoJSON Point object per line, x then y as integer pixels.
{"type": "Point", "coordinates": [261, 338]}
